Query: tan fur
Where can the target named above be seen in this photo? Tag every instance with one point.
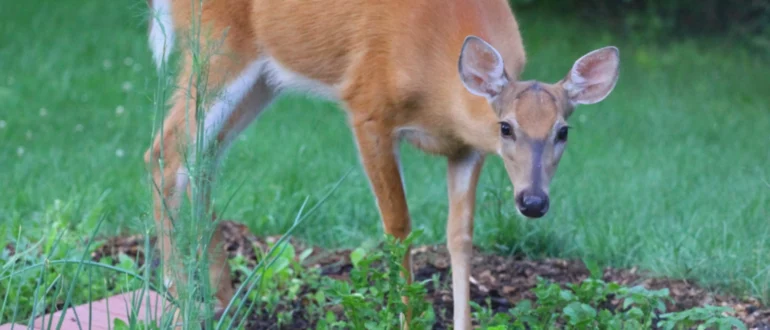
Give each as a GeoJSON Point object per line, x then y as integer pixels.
{"type": "Point", "coordinates": [394, 66]}
{"type": "Point", "coordinates": [535, 111]}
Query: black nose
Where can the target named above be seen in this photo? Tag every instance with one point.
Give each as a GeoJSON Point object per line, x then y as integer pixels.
{"type": "Point", "coordinates": [533, 204]}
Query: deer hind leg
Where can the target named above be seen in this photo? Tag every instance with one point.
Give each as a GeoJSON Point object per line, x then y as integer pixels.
{"type": "Point", "coordinates": [168, 158]}
{"type": "Point", "coordinates": [257, 100]}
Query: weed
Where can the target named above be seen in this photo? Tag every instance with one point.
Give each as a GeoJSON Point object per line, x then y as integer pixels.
{"type": "Point", "coordinates": [583, 306]}
{"type": "Point", "coordinates": [373, 297]}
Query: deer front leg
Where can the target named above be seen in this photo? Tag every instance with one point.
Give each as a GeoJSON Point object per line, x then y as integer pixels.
{"type": "Point", "coordinates": [462, 179]}
{"type": "Point", "coordinates": [377, 148]}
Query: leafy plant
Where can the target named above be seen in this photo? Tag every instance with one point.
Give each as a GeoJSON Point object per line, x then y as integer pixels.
{"type": "Point", "coordinates": [373, 298]}
{"type": "Point", "coordinates": [281, 282]}
{"type": "Point", "coordinates": [706, 317]}
{"type": "Point", "coordinates": [119, 324]}
{"type": "Point", "coordinates": [39, 277]}
{"type": "Point", "coordinates": [584, 306]}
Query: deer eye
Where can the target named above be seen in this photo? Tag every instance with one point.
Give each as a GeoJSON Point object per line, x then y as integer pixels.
{"type": "Point", "coordinates": [561, 135]}
{"type": "Point", "coordinates": [506, 130]}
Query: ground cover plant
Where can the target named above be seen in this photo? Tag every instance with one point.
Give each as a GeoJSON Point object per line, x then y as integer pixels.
{"type": "Point", "coordinates": [669, 174]}
{"type": "Point", "coordinates": [303, 286]}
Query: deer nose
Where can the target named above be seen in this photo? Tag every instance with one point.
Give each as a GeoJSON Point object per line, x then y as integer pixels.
{"type": "Point", "coordinates": [533, 204]}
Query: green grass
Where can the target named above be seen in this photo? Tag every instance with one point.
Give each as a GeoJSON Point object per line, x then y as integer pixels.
{"type": "Point", "coordinates": [669, 173]}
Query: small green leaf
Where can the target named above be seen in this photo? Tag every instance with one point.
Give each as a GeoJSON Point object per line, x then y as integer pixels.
{"type": "Point", "coordinates": [736, 323]}
{"type": "Point", "coordinates": [126, 262]}
{"type": "Point", "coordinates": [356, 256]}
{"type": "Point", "coordinates": [636, 313]}
{"type": "Point", "coordinates": [119, 324]}
{"type": "Point", "coordinates": [305, 254]}
{"type": "Point", "coordinates": [330, 317]}
{"type": "Point", "coordinates": [593, 268]}
{"type": "Point", "coordinates": [566, 295]}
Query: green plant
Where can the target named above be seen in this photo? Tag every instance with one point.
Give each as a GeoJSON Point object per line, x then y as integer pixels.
{"type": "Point", "coordinates": [119, 324]}
{"type": "Point", "coordinates": [281, 283]}
{"type": "Point", "coordinates": [584, 306]}
{"type": "Point", "coordinates": [373, 298]}
{"type": "Point", "coordinates": [706, 317]}
{"type": "Point", "coordinates": [41, 276]}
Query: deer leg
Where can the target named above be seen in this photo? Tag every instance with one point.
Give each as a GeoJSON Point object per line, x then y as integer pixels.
{"type": "Point", "coordinates": [257, 100]}
{"type": "Point", "coordinates": [377, 148]}
{"type": "Point", "coordinates": [462, 179]}
{"type": "Point", "coordinates": [167, 157]}
{"type": "Point", "coordinates": [169, 181]}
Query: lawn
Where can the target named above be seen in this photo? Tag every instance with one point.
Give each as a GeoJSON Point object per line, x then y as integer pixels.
{"type": "Point", "coordinates": [669, 173]}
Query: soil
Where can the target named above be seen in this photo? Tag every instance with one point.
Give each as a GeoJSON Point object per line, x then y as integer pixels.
{"type": "Point", "coordinates": [502, 280]}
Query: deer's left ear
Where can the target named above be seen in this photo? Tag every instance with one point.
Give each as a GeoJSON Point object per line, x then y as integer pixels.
{"type": "Point", "coordinates": [593, 76]}
{"type": "Point", "coordinates": [481, 68]}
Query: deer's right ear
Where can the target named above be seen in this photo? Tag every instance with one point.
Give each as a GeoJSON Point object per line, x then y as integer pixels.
{"type": "Point", "coordinates": [481, 68]}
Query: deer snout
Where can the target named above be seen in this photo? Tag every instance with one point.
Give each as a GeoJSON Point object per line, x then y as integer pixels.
{"type": "Point", "coordinates": [532, 203]}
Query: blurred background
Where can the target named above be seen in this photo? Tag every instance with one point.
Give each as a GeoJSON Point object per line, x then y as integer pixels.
{"type": "Point", "coordinates": [745, 21]}
{"type": "Point", "coordinates": [669, 173]}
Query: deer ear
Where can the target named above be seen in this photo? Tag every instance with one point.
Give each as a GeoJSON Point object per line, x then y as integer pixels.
{"type": "Point", "coordinates": [593, 76]}
{"type": "Point", "coordinates": [481, 68]}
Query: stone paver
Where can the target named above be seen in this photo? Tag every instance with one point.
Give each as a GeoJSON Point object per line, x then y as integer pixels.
{"type": "Point", "coordinates": [101, 314]}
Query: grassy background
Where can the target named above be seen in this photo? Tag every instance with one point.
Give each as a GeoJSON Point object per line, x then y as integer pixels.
{"type": "Point", "coordinates": [669, 173]}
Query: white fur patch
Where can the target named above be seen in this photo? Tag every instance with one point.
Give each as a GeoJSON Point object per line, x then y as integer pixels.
{"type": "Point", "coordinates": [397, 155]}
{"type": "Point", "coordinates": [282, 78]}
{"type": "Point", "coordinates": [228, 100]}
{"type": "Point", "coordinates": [277, 79]}
{"type": "Point", "coordinates": [161, 32]}
{"type": "Point", "coordinates": [575, 83]}
{"type": "Point", "coordinates": [464, 174]}
{"type": "Point", "coordinates": [253, 103]}
{"type": "Point", "coordinates": [182, 181]}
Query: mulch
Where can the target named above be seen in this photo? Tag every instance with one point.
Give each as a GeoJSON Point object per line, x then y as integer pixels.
{"type": "Point", "coordinates": [503, 281]}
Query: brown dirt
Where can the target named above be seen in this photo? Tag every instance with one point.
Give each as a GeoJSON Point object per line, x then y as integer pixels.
{"type": "Point", "coordinates": [503, 280]}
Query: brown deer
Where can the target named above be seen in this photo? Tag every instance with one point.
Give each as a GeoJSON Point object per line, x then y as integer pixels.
{"type": "Point", "coordinates": [443, 75]}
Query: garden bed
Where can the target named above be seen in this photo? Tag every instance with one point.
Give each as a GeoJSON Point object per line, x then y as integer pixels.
{"type": "Point", "coordinates": [497, 282]}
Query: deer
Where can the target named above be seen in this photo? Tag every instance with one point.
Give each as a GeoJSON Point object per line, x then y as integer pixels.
{"type": "Point", "coordinates": [442, 75]}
